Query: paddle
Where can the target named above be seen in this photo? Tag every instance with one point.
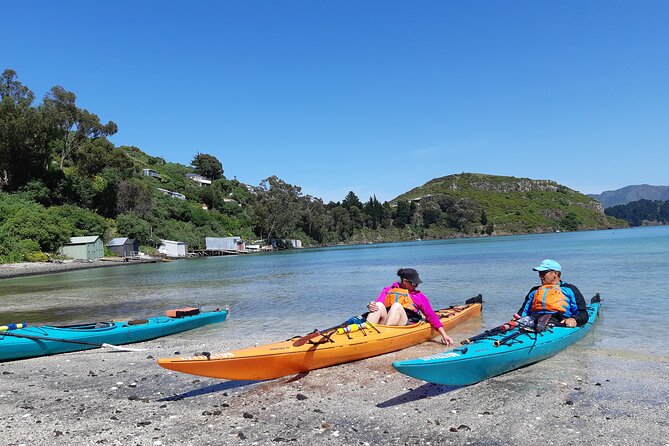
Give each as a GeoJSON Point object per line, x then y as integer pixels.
{"type": "Point", "coordinates": [511, 337]}
{"type": "Point", "coordinates": [70, 341]}
{"type": "Point", "coordinates": [304, 339]}
{"type": "Point", "coordinates": [493, 331]}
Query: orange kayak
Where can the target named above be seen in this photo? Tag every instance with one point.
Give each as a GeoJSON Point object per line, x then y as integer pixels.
{"type": "Point", "coordinates": [327, 348]}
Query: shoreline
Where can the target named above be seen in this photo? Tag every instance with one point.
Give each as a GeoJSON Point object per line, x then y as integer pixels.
{"type": "Point", "coordinates": [23, 269]}
{"type": "Point", "coordinates": [581, 396]}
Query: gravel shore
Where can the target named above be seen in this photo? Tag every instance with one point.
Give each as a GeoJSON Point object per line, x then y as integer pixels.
{"type": "Point", "coordinates": [9, 270]}
{"type": "Point", "coordinates": [582, 396]}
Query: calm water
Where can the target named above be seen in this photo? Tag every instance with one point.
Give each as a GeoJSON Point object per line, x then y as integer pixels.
{"type": "Point", "coordinates": [288, 293]}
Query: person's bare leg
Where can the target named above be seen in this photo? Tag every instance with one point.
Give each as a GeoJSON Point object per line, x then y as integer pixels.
{"type": "Point", "coordinates": [380, 316]}
{"type": "Point", "coordinates": [397, 315]}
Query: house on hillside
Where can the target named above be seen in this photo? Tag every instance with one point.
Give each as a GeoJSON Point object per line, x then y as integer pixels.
{"type": "Point", "coordinates": [224, 244]}
{"type": "Point", "coordinates": [124, 246]}
{"type": "Point", "coordinates": [173, 248]}
{"type": "Point", "coordinates": [151, 173]}
{"type": "Point", "coordinates": [169, 193]}
{"type": "Point", "coordinates": [199, 179]}
{"type": "Point", "coordinates": [419, 200]}
{"type": "Point", "coordinates": [83, 248]}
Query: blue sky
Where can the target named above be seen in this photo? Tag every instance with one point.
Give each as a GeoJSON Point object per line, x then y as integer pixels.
{"type": "Point", "coordinates": [377, 97]}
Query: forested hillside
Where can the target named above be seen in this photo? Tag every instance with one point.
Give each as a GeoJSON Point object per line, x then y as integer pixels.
{"type": "Point", "coordinates": [641, 212]}
{"type": "Point", "coordinates": [60, 176]}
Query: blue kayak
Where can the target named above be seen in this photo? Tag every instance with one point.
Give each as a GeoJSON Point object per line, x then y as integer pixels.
{"type": "Point", "coordinates": [28, 342]}
{"type": "Point", "coordinates": [496, 353]}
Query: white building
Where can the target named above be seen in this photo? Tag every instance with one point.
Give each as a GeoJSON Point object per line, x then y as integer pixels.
{"type": "Point", "coordinates": [172, 194]}
{"type": "Point", "coordinates": [173, 249]}
{"type": "Point", "coordinates": [202, 181]}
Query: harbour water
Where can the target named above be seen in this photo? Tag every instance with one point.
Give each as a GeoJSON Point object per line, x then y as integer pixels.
{"type": "Point", "coordinates": [275, 296]}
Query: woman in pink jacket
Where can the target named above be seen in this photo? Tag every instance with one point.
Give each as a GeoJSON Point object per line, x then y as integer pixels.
{"type": "Point", "coordinates": [402, 303]}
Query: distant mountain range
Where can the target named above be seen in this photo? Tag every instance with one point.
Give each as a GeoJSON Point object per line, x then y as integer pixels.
{"type": "Point", "coordinates": [629, 194]}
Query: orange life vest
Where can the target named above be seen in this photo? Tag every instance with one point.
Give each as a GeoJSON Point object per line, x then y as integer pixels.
{"type": "Point", "coordinates": [549, 298]}
{"type": "Point", "coordinates": [401, 296]}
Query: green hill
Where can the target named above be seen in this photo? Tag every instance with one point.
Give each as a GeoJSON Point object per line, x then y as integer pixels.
{"type": "Point", "coordinates": [506, 205]}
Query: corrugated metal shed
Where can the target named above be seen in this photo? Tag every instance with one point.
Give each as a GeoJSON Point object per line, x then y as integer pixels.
{"type": "Point", "coordinates": [222, 243]}
{"type": "Point", "coordinates": [83, 248]}
{"type": "Point", "coordinates": [123, 246]}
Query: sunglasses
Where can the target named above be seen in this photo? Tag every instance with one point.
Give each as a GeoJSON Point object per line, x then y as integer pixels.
{"type": "Point", "coordinates": [543, 273]}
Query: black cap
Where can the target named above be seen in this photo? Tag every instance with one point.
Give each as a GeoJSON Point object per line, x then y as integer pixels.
{"type": "Point", "coordinates": [409, 274]}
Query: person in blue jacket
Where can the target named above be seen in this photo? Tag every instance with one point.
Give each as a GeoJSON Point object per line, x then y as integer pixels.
{"type": "Point", "coordinates": [563, 301]}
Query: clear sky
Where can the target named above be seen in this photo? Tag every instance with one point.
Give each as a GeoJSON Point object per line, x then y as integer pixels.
{"type": "Point", "coordinates": [377, 97]}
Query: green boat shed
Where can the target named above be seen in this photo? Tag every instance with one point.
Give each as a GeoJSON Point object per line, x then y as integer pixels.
{"type": "Point", "coordinates": [83, 248]}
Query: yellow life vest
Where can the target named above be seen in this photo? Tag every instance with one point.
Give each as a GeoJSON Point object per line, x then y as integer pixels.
{"type": "Point", "coordinates": [401, 296]}
{"type": "Point", "coordinates": [549, 298]}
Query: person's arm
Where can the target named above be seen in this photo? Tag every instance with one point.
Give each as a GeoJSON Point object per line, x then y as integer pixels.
{"type": "Point", "coordinates": [423, 303]}
{"type": "Point", "coordinates": [527, 303]}
{"type": "Point", "coordinates": [379, 300]}
{"type": "Point", "coordinates": [581, 316]}
{"type": "Point", "coordinates": [446, 339]}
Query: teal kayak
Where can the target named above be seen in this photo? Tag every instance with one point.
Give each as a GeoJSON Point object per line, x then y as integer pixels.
{"type": "Point", "coordinates": [28, 342]}
{"type": "Point", "coordinates": [496, 353]}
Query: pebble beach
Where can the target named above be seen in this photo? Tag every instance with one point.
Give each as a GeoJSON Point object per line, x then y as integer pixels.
{"type": "Point", "coordinates": [10, 270]}
{"type": "Point", "coordinates": [610, 388]}
{"type": "Point", "coordinates": [581, 396]}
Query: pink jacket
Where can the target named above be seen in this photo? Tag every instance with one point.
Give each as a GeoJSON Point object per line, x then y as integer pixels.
{"type": "Point", "coordinates": [420, 300]}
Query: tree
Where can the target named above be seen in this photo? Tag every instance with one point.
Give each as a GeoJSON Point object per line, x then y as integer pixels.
{"type": "Point", "coordinates": [387, 215]}
{"type": "Point", "coordinates": [208, 166]}
{"type": "Point", "coordinates": [135, 197]}
{"type": "Point", "coordinates": [357, 217]}
{"type": "Point", "coordinates": [484, 217]}
{"type": "Point", "coordinates": [570, 222]}
{"type": "Point", "coordinates": [351, 200]}
{"type": "Point", "coordinates": [462, 213]}
{"type": "Point", "coordinates": [83, 221]}
{"type": "Point", "coordinates": [24, 135]}
{"type": "Point", "coordinates": [316, 220]}
{"type": "Point", "coordinates": [93, 156]}
{"type": "Point", "coordinates": [134, 227]}
{"type": "Point", "coordinates": [75, 125]}
{"type": "Point", "coordinates": [342, 222]}
{"type": "Point", "coordinates": [431, 213]}
{"type": "Point", "coordinates": [374, 212]}
{"type": "Point", "coordinates": [41, 225]}
{"type": "Point", "coordinates": [276, 208]}
{"type": "Point", "coordinates": [403, 213]}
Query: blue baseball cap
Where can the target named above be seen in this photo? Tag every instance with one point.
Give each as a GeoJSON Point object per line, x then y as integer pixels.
{"type": "Point", "coordinates": [548, 265]}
